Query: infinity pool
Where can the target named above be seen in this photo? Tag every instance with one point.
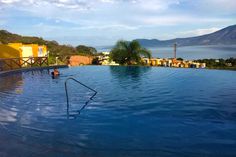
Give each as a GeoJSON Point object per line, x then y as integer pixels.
{"type": "Point", "coordinates": [138, 111]}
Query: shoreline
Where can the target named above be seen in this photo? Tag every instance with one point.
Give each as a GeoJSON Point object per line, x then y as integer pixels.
{"type": "Point", "coordinates": [218, 68]}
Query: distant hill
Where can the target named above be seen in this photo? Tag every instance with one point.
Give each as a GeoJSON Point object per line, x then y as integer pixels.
{"type": "Point", "coordinates": [226, 36]}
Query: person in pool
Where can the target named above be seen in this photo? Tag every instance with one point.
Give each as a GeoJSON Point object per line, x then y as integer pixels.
{"type": "Point", "coordinates": [55, 72]}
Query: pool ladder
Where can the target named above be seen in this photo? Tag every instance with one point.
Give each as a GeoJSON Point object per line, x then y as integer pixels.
{"type": "Point", "coordinates": [67, 97]}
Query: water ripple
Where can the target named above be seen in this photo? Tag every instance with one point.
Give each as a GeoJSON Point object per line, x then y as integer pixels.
{"type": "Point", "coordinates": [138, 111]}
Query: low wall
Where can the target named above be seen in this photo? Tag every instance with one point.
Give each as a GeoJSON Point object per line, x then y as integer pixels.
{"type": "Point", "coordinates": [80, 60]}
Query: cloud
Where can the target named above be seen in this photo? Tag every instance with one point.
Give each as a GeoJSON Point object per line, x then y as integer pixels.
{"type": "Point", "coordinates": [69, 4]}
{"type": "Point", "coordinates": [171, 20]}
{"type": "Point", "coordinates": [115, 18]}
{"type": "Point", "coordinates": [157, 5]}
{"type": "Point", "coordinates": [107, 1]}
{"type": "Point", "coordinates": [111, 26]}
{"type": "Point", "coordinates": [220, 5]}
{"type": "Point", "coordinates": [89, 4]}
{"type": "Point", "coordinates": [2, 22]}
{"type": "Point", "coordinates": [47, 27]}
{"type": "Point", "coordinates": [9, 1]}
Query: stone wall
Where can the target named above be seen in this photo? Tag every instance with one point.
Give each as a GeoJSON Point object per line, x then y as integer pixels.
{"type": "Point", "coordinates": [80, 60]}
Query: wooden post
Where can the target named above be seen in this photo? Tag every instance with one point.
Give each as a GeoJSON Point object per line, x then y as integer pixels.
{"type": "Point", "coordinates": [11, 64]}
{"type": "Point", "coordinates": [47, 62]}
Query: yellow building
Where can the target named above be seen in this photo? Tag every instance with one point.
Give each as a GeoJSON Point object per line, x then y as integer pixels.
{"type": "Point", "coordinates": [152, 61]}
{"type": "Point", "coordinates": [10, 53]}
{"type": "Point", "coordinates": [16, 50]}
{"type": "Point", "coordinates": [173, 63]}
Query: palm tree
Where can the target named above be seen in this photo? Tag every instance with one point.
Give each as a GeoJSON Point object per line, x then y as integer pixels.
{"type": "Point", "coordinates": [128, 53]}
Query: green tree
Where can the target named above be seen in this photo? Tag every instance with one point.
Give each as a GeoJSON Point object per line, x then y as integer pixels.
{"type": "Point", "coordinates": [82, 49]}
{"type": "Point", "coordinates": [129, 53]}
{"type": "Point", "coordinates": [180, 59]}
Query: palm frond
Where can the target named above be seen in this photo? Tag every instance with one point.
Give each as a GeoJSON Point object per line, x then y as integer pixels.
{"type": "Point", "coordinates": [125, 52]}
{"type": "Point", "coordinates": [145, 52]}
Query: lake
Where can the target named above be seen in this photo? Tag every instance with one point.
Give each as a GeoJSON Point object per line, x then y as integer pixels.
{"type": "Point", "coordinates": [194, 52]}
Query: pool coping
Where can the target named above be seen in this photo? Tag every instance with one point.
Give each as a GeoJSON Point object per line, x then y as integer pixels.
{"type": "Point", "coordinates": [2, 73]}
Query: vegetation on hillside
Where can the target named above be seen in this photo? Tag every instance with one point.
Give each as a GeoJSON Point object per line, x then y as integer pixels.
{"type": "Point", "coordinates": [219, 63]}
{"type": "Point", "coordinates": [81, 49]}
{"type": "Point", "coordinates": [55, 49]}
{"type": "Point", "coordinates": [128, 53]}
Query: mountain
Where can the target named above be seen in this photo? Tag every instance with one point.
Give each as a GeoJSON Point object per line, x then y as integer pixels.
{"type": "Point", "coordinates": [226, 36]}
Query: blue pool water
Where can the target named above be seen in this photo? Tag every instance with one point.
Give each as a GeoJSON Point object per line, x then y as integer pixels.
{"type": "Point", "coordinates": [138, 111]}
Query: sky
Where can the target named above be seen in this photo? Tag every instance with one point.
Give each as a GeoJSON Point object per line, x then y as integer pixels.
{"type": "Point", "coordinates": [103, 22]}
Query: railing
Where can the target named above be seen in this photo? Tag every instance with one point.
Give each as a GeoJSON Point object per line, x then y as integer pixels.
{"type": "Point", "coordinates": [17, 63]}
{"type": "Point", "coordinates": [67, 97]}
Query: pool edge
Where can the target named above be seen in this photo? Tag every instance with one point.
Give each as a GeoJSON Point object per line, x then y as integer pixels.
{"type": "Point", "coordinates": [29, 69]}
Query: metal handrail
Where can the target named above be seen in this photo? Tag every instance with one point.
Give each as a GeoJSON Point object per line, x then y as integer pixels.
{"type": "Point", "coordinates": [67, 97]}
